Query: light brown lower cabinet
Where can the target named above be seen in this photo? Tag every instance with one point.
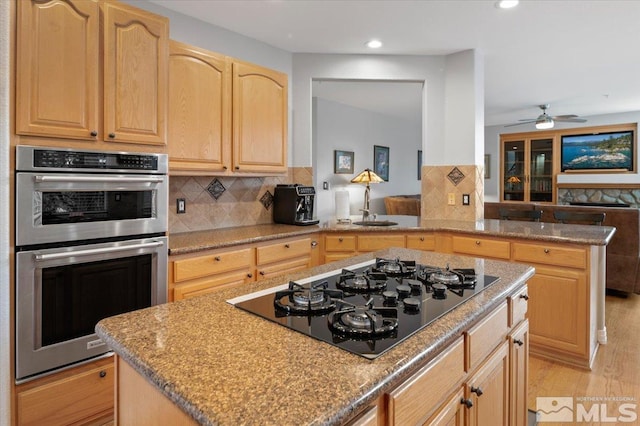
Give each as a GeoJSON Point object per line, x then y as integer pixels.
{"type": "Point", "coordinates": [81, 395]}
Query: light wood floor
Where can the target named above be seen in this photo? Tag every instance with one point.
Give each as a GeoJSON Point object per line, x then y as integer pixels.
{"type": "Point", "coordinates": [616, 369]}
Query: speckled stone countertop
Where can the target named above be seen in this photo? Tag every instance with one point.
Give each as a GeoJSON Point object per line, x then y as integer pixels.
{"type": "Point", "coordinates": [538, 231]}
{"type": "Point", "coordinates": [226, 366]}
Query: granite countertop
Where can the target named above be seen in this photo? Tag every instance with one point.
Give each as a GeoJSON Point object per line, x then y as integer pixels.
{"type": "Point", "coordinates": [225, 366]}
{"type": "Point", "coordinates": [190, 242]}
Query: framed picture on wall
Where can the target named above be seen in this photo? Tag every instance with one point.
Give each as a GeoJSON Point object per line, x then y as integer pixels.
{"type": "Point", "coordinates": [343, 162]}
{"type": "Point", "coordinates": [419, 164]}
{"type": "Point", "coordinates": [381, 161]}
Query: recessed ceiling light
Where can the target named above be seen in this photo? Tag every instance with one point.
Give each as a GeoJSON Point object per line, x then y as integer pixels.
{"type": "Point", "coordinates": [374, 44]}
{"type": "Point", "coordinates": [506, 4]}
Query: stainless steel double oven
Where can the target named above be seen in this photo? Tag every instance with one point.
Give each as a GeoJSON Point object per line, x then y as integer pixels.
{"type": "Point", "coordinates": [90, 243]}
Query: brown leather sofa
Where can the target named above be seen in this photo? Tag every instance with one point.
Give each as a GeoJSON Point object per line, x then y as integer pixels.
{"type": "Point", "coordinates": [623, 252]}
{"type": "Point", "coordinates": [403, 204]}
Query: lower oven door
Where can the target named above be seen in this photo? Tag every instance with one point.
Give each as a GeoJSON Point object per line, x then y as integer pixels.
{"type": "Point", "coordinates": [61, 294]}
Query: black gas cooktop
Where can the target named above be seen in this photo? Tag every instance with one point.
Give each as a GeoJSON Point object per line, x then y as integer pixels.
{"type": "Point", "coordinates": [370, 308]}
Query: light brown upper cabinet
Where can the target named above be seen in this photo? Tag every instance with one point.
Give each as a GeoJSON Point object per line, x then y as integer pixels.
{"type": "Point", "coordinates": [61, 61]}
{"type": "Point", "coordinates": [259, 119]}
{"type": "Point", "coordinates": [199, 128]}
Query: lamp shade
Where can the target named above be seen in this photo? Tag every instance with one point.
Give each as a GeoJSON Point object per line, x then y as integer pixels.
{"type": "Point", "coordinates": [367, 176]}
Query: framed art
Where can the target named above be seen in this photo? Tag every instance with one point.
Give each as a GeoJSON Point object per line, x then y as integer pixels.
{"type": "Point", "coordinates": [419, 164]}
{"type": "Point", "coordinates": [381, 161]}
{"type": "Point", "coordinates": [343, 162]}
{"type": "Point", "coordinates": [487, 166]}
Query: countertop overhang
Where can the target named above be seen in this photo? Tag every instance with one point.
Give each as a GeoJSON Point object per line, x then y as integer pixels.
{"type": "Point", "coordinates": [223, 365]}
{"type": "Point", "coordinates": [191, 242]}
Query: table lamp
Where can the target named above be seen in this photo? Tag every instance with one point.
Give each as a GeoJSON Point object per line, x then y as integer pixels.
{"type": "Point", "coordinates": [367, 176]}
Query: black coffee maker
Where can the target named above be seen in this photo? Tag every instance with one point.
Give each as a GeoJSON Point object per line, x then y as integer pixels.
{"type": "Point", "coordinates": [293, 204]}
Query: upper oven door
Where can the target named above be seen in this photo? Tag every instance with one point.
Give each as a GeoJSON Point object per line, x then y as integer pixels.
{"type": "Point", "coordinates": [58, 207]}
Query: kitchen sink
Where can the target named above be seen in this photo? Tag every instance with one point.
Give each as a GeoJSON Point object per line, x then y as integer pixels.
{"type": "Point", "coordinates": [375, 223]}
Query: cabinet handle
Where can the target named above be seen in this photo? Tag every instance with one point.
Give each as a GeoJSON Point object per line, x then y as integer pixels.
{"type": "Point", "coordinates": [518, 342]}
{"type": "Point", "coordinates": [421, 238]}
{"type": "Point", "coordinates": [112, 135]}
{"type": "Point", "coordinates": [262, 273]}
{"type": "Point", "coordinates": [466, 402]}
{"type": "Point", "coordinates": [524, 296]}
{"type": "Point", "coordinates": [314, 243]}
{"type": "Point", "coordinates": [237, 167]}
{"type": "Point", "coordinates": [94, 133]}
{"type": "Point", "coordinates": [249, 275]}
{"type": "Point", "coordinates": [547, 251]}
{"type": "Point", "coordinates": [477, 242]}
{"type": "Point", "coordinates": [217, 258]}
{"type": "Point", "coordinates": [224, 167]}
{"type": "Point", "coordinates": [476, 390]}
{"type": "Point", "coordinates": [286, 246]}
{"type": "Point", "coordinates": [340, 239]}
{"type": "Point", "coordinates": [103, 373]}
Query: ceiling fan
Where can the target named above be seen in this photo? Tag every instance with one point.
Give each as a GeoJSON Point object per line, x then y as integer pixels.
{"type": "Point", "coordinates": [545, 121]}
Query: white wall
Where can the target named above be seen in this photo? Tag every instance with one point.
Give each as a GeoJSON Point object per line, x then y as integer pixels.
{"type": "Point", "coordinates": [492, 146]}
{"type": "Point", "coordinates": [341, 127]}
{"type": "Point", "coordinates": [5, 284]}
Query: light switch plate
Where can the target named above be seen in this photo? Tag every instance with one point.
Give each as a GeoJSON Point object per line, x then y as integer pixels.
{"type": "Point", "coordinates": [465, 199]}
{"type": "Point", "coordinates": [452, 199]}
{"type": "Point", "coordinates": [181, 206]}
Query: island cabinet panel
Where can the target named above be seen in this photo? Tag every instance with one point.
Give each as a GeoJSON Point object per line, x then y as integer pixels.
{"type": "Point", "coordinates": [488, 390]}
{"type": "Point", "coordinates": [417, 398]}
{"type": "Point", "coordinates": [481, 246]}
{"type": "Point", "coordinates": [518, 306]}
{"type": "Point", "coordinates": [451, 413]}
{"type": "Point", "coordinates": [259, 119]}
{"type": "Point", "coordinates": [425, 242]}
{"type": "Point", "coordinates": [550, 254]}
{"type": "Point", "coordinates": [375, 242]}
{"type": "Point", "coordinates": [57, 63]}
{"type": "Point", "coordinates": [559, 314]}
{"type": "Point", "coordinates": [518, 366]}
{"type": "Point", "coordinates": [486, 335]}
{"type": "Point", "coordinates": [78, 396]}
{"type": "Point", "coordinates": [199, 123]}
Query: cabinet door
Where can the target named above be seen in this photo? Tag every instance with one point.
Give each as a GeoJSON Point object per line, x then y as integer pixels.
{"type": "Point", "coordinates": [519, 373]}
{"type": "Point", "coordinates": [259, 119]}
{"type": "Point", "coordinates": [451, 413]}
{"type": "Point", "coordinates": [527, 168]}
{"type": "Point", "coordinates": [513, 170]}
{"type": "Point", "coordinates": [57, 68]}
{"type": "Point", "coordinates": [135, 75]}
{"type": "Point", "coordinates": [488, 390]}
{"type": "Point", "coordinates": [541, 170]}
{"type": "Point", "coordinates": [199, 123]}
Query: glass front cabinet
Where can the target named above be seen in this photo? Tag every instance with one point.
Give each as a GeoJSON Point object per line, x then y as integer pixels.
{"type": "Point", "coordinates": [527, 172]}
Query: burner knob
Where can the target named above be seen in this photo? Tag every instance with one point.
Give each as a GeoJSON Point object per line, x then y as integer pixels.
{"type": "Point", "coordinates": [414, 284]}
{"type": "Point", "coordinates": [404, 290]}
{"type": "Point", "coordinates": [439, 291]}
{"type": "Point", "coordinates": [390, 296]}
{"type": "Point", "coordinates": [411, 304]}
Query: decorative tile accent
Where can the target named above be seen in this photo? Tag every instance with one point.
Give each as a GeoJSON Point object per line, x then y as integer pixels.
{"type": "Point", "coordinates": [267, 199]}
{"type": "Point", "coordinates": [455, 176]}
{"type": "Point", "coordinates": [216, 189]}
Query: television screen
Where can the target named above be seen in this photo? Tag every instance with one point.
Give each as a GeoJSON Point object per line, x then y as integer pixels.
{"type": "Point", "coordinates": [602, 151]}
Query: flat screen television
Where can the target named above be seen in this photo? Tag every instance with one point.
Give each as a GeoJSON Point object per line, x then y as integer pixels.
{"type": "Point", "coordinates": [601, 151]}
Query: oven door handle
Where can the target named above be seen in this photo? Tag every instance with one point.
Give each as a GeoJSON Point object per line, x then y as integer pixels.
{"type": "Point", "coordinates": [89, 252]}
{"type": "Point", "coordinates": [108, 179]}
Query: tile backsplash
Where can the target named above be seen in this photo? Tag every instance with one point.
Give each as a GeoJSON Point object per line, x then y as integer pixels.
{"type": "Point", "coordinates": [440, 181]}
{"type": "Point", "coordinates": [240, 201]}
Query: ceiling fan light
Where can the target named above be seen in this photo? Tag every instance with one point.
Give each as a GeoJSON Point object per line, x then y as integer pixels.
{"type": "Point", "coordinates": [544, 124]}
{"type": "Point", "coordinates": [506, 4]}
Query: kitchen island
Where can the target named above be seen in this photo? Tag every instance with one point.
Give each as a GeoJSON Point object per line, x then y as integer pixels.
{"type": "Point", "coordinates": [221, 365]}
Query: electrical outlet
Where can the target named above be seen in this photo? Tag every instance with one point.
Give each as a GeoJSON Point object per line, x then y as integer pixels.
{"type": "Point", "coordinates": [325, 185]}
{"type": "Point", "coordinates": [452, 199]}
{"type": "Point", "coordinates": [181, 205]}
{"type": "Point", "coordinates": [465, 199]}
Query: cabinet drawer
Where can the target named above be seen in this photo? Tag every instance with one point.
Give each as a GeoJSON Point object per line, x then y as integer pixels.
{"type": "Point", "coordinates": [209, 285]}
{"type": "Point", "coordinates": [283, 250]}
{"type": "Point", "coordinates": [340, 243]}
{"type": "Point", "coordinates": [284, 268]}
{"type": "Point", "coordinates": [486, 336]}
{"type": "Point", "coordinates": [379, 242]}
{"type": "Point", "coordinates": [421, 242]}
{"type": "Point", "coordinates": [413, 402]}
{"type": "Point", "coordinates": [69, 400]}
{"type": "Point", "coordinates": [202, 266]}
{"type": "Point", "coordinates": [518, 306]}
{"type": "Point", "coordinates": [549, 254]}
{"type": "Point", "coordinates": [482, 247]}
